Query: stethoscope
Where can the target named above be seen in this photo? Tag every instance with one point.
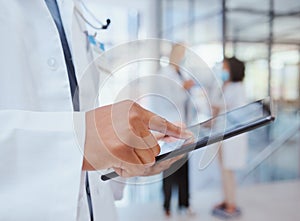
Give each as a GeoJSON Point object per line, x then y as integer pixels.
{"type": "Point", "coordinates": [96, 27]}
{"type": "Point", "coordinates": [95, 24]}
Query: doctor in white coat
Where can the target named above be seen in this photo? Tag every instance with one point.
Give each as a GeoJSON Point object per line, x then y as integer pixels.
{"type": "Point", "coordinates": [45, 147]}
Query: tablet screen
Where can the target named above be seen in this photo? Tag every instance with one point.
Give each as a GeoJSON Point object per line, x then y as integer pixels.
{"type": "Point", "coordinates": [223, 126]}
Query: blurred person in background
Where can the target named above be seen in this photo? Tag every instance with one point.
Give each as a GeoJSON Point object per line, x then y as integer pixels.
{"type": "Point", "coordinates": [173, 103]}
{"type": "Point", "coordinates": [233, 153]}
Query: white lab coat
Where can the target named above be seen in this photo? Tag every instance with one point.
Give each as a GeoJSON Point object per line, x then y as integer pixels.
{"type": "Point", "coordinates": [41, 139]}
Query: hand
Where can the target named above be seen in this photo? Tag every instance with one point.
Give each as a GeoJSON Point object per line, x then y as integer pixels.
{"type": "Point", "coordinates": [187, 85]}
{"type": "Point", "coordinates": [161, 166]}
{"type": "Point", "coordinates": [169, 139]}
{"type": "Point", "coordinates": [118, 136]}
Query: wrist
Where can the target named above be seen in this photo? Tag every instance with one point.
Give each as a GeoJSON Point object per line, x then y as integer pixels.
{"type": "Point", "coordinates": [95, 156]}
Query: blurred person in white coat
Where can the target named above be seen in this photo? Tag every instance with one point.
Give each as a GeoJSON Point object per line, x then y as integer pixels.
{"type": "Point", "coordinates": [50, 134]}
{"type": "Point", "coordinates": [233, 153]}
{"type": "Point", "coordinates": [172, 101]}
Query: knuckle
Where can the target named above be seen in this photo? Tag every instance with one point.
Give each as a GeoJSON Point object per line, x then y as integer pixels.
{"type": "Point", "coordinates": [177, 129]}
{"type": "Point", "coordinates": [151, 161]}
{"type": "Point", "coordinates": [134, 112]}
{"type": "Point", "coordinates": [135, 107]}
{"type": "Point", "coordinates": [163, 120]}
{"type": "Point", "coordinates": [128, 102]}
{"type": "Point", "coordinates": [155, 150]}
{"type": "Point", "coordinates": [133, 116]}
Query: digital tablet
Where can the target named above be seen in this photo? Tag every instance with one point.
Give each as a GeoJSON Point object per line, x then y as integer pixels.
{"type": "Point", "coordinates": [221, 127]}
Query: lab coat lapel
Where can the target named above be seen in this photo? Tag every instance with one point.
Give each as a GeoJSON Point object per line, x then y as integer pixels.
{"type": "Point", "coordinates": [66, 8]}
{"type": "Point", "coordinates": [74, 29]}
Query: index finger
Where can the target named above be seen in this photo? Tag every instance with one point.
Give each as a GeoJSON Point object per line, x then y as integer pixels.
{"type": "Point", "coordinates": [161, 125]}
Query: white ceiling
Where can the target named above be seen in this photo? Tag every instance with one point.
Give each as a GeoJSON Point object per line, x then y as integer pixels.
{"type": "Point", "coordinates": [241, 25]}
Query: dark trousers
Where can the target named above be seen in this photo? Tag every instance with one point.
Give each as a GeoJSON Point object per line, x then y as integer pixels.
{"type": "Point", "coordinates": [180, 179]}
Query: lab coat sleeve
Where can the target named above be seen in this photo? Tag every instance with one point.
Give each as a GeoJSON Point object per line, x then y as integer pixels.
{"type": "Point", "coordinates": [41, 156]}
